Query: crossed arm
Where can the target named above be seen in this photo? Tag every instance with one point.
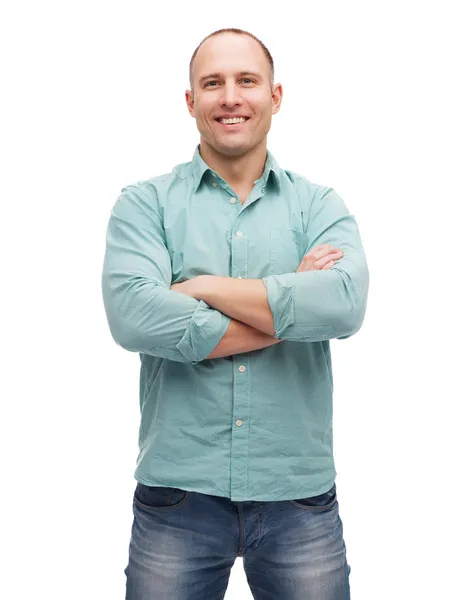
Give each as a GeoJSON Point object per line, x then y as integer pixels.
{"type": "Point", "coordinates": [245, 302]}
{"type": "Point", "coordinates": [215, 316]}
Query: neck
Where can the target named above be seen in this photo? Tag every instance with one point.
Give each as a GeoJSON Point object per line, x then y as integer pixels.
{"type": "Point", "coordinates": [238, 171]}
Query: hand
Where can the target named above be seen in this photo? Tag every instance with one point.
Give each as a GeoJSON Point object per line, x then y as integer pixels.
{"type": "Point", "coordinates": [320, 258]}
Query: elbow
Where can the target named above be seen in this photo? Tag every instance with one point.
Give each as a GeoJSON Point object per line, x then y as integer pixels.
{"type": "Point", "coordinates": [120, 319]}
{"type": "Point", "coordinates": [350, 317]}
{"type": "Point", "coordinates": [350, 322]}
{"type": "Point", "coordinates": [134, 340]}
{"type": "Point", "coordinates": [123, 334]}
{"type": "Point", "coordinates": [143, 330]}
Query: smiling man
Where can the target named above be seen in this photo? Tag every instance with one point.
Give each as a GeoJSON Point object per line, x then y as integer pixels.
{"type": "Point", "coordinates": [230, 276]}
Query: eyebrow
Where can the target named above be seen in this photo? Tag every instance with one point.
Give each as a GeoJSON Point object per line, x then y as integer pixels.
{"type": "Point", "coordinates": [218, 75]}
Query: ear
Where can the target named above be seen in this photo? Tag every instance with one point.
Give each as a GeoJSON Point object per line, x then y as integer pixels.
{"type": "Point", "coordinates": [189, 97]}
{"type": "Point", "coordinates": [277, 97]}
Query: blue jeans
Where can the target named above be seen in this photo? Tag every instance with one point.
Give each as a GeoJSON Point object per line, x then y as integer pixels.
{"type": "Point", "coordinates": [184, 544]}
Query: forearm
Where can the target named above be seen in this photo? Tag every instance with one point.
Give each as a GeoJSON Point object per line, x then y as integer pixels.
{"type": "Point", "coordinates": [242, 299]}
{"type": "Point", "coordinates": [239, 338]}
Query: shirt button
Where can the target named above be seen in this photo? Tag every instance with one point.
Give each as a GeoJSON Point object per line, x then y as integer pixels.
{"type": "Point", "coordinates": [239, 422]}
{"type": "Point", "coordinates": [214, 184]}
{"type": "Point", "coordinates": [214, 175]}
{"type": "Point", "coordinates": [233, 201]}
{"type": "Point", "coordinates": [242, 369]}
{"type": "Point", "coordinates": [239, 234]}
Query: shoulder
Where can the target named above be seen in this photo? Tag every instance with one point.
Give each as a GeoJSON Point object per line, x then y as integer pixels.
{"type": "Point", "coordinates": [302, 184]}
{"type": "Point", "coordinates": [307, 192]}
{"type": "Point", "coordinates": [150, 187]}
{"type": "Point", "coordinates": [155, 189]}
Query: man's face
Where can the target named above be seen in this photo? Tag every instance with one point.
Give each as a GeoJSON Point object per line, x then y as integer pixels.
{"type": "Point", "coordinates": [232, 77]}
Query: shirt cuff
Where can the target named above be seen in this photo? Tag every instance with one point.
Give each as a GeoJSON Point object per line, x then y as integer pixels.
{"type": "Point", "coordinates": [281, 297]}
{"type": "Point", "coordinates": [206, 328]}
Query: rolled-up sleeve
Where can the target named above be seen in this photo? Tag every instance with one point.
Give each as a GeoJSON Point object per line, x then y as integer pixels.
{"type": "Point", "coordinates": [319, 305]}
{"type": "Point", "coordinates": [143, 314]}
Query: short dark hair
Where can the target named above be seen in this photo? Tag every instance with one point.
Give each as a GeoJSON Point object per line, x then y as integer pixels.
{"type": "Point", "coordinates": [238, 32]}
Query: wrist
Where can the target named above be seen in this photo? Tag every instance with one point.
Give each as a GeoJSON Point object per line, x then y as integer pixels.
{"type": "Point", "coordinates": [204, 286]}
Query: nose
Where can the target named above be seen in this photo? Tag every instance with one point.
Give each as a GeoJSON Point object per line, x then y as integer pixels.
{"type": "Point", "coordinates": [230, 95]}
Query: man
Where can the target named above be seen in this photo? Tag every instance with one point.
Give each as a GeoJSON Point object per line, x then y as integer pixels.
{"type": "Point", "coordinates": [229, 276]}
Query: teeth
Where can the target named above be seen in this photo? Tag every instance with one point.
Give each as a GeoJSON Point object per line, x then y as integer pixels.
{"type": "Point", "coordinates": [234, 120]}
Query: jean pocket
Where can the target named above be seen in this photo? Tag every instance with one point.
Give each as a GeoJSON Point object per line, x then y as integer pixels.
{"type": "Point", "coordinates": [318, 503]}
{"type": "Point", "coordinates": [158, 497]}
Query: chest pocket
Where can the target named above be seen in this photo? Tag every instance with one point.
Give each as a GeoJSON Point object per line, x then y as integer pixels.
{"type": "Point", "coordinates": [287, 247]}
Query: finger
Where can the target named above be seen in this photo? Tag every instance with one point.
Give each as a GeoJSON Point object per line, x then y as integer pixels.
{"type": "Point", "coordinates": [325, 259]}
{"type": "Point", "coordinates": [322, 251]}
{"type": "Point", "coordinates": [312, 251]}
{"type": "Point", "coordinates": [328, 265]}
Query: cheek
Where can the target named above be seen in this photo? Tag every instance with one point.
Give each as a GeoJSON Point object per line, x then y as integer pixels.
{"type": "Point", "coordinates": [204, 107]}
{"type": "Point", "coordinates": [264, 110]}
{"type": "Point", "coordinates": [264, 119]}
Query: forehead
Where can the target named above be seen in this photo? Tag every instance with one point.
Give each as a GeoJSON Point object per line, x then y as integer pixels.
{"type": "Point", "coordinates": [228, 54]}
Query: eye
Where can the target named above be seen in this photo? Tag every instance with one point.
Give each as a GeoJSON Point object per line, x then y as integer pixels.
{"type": "Point", "coordinates": [213, 81]}
{"type": "Point", "coordinates": [247, 79]}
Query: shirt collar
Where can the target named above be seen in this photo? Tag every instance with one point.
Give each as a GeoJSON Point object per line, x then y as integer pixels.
{"type": "Point", "coordinates": [199, 168]}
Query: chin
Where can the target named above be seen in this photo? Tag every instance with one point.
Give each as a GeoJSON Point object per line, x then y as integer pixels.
{"type": "Point", "coordinates": [232, 149]}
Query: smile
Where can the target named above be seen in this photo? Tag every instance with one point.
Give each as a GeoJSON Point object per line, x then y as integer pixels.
{"type": "Point", "coordinates": [234, 125]}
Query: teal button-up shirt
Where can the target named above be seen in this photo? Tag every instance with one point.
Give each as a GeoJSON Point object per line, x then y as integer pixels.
{"type": "Point", "coordinates": [256, 425]}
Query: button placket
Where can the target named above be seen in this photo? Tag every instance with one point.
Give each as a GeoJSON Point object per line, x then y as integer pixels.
{"type": "Point", "coordinates": [239, 250]}
{"type": "Point", "coordinates": [241, 389]}
{"type": "Point", "coordinates": [241, 423]}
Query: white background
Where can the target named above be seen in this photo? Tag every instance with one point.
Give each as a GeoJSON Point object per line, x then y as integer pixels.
{"type": "Point", "coordinates": [93, 99]}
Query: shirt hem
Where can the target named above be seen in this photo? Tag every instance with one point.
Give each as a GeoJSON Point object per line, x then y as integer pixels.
{"type": "Point", "coordinates": [255, 498]}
